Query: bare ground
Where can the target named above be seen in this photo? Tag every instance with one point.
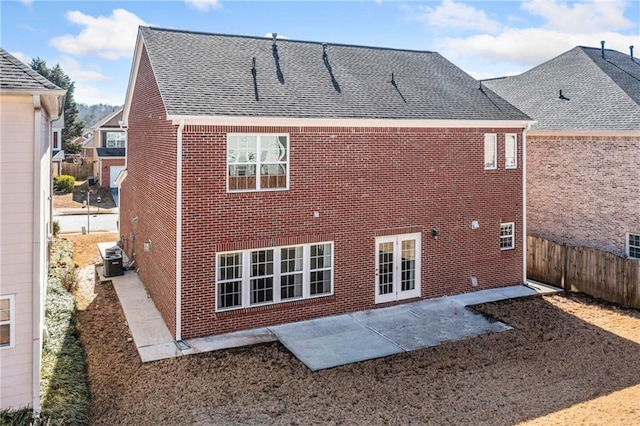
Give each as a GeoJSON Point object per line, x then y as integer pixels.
{"type": "Point", "coordinates": [569, 360]}
{"type": "Point", "coordinates": [74, 199]}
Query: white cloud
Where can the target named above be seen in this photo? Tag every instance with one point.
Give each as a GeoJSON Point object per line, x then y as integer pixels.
{"type": "Point", "coordinates": [529, 46]}
{"type": "Point", "coordinates": [204, 5]}
{"type": "Point", "coordinates": [453, 16]}
{"type": "Point", "coordinates": [91, 95]}
{"type": "Point", "coordinates": [79, 73]}
{"type": "Point", "coordinates": [22, 57]}
{"type": "Point", "coordinates": [580, 17]}
{"type": "Point", "coordinates": [107, 37]}
{"type": "Point", "coordinates": [27, 3]}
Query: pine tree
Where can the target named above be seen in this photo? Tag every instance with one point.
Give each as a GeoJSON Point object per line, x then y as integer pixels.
{"type": "Point", "coordinates": [72, 127]}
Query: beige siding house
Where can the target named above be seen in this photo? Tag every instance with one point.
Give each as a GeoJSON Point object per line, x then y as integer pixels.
{"type": "Point", "coordinates": [28, 104]}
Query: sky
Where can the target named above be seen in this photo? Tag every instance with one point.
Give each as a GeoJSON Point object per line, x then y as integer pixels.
{"type": "Point", "coordinates": [93, 41]}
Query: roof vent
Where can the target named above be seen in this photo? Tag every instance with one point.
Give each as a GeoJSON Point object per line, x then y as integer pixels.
{"type": "Point", "coordinates": [324, 50]}
{"type": "Point", "coordinates": [274, 36]}
{"type": "Point", "coordinates": [563, 97]}
{"type": "Point", "coordinates": [631, 52]}
{"type": "Point", "coordinates": [602, 48]}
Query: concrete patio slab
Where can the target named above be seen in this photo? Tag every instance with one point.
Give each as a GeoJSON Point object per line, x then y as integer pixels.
{"type": "Point", "coordinates": [329, 342]}
{"type": "Point", "coordinates": [229, 340]}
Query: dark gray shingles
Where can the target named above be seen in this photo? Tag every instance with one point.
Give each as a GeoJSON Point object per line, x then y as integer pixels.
{"type": "Point", "coordinates": [111, 152]}
{"type": "Point", "coordinates": [15, 75]}
{"type": "Point", "coordinates": [210, 75]}
{"type": "Point", "coordinates": [604, 94]}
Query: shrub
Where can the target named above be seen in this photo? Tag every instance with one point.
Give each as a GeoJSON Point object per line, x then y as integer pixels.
{"type": "Point", "coordinates": [56, 228]}
{"type": "Point", "coordinates": [64, 385]}
{"type": "Point", "coordinates": [64, 183]}
{"type": "Point", "coordinates": [20, 417]}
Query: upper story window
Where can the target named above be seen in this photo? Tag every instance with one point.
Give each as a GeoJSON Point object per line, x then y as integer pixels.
{"type": "Point", "coordinates": [55, 140]}
{"type": "Point", "coordinates": [510, 151]}
{"type": "Point", "coordinates": [7, 321]}
{"type": "Point", "coordinates": [490, 151]}
{"type": "Point", "coordinates": [633, 246]}
{"type": "Point", "coordinates": [257, 162]}
{"type": "Point", "coordinates": [114, 139]}
{"type": "Point", "coordinates": [507, 236]}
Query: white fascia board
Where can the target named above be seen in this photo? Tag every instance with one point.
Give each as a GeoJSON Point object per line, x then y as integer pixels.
{"type": "Point", "coordinates": [342, 122]}
{"type": "Point", "coordinates": [624, 133]}
{"type": "Point", "coordinates": [137, 54]}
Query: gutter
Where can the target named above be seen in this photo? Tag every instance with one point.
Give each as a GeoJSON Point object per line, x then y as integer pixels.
{"type": "Point", "coordinates": [37, 288]}
{"type": "Point", "coordinates": [179, 233]}
{"type": "Point", "coordinates": [524, 204]}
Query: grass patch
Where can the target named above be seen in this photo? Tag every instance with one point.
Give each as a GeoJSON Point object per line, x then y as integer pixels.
{"type": "Point", "coordinates": [64, 385]}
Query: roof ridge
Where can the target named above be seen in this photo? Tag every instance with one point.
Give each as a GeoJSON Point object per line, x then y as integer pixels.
{"type": "Point", "coordinates": [287, 40]}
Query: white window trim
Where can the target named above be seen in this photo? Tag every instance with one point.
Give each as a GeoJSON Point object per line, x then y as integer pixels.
{"type": "Point", "coordinates": [513, 235]}
{"type": "Point", "coordinates": [246, 276]}
{"type": "Point", "coordinates": [11, 321]}
{"type": "Point", "coordinates": [495, 151]}
{"type": "Point", "coordinates": [118, 143]}
{"type": "Point", "coordinates": [515, 150]}
{"type": "Point", "coordinates": [629, 234]}
{"type": "Point", "coordinates": [257, 188]}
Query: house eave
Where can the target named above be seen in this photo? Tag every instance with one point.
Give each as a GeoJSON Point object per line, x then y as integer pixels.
{"type": "Point", "coordinates": [578, 133]}
{"type": "Point", "coordinates": [344, 122]}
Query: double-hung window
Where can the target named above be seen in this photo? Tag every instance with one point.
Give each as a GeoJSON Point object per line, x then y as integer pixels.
{"type": "Point", "coordinates": [633, 246]}
{"type": "Point", "coordinates": [114, 139]}
{"type": "Point", "coordinates": [507, 236]}
{"type": "Point", "coordinates": [510, 151]}
{"type": "Point", "coordinates": [490, 151]}
{"type": "Point", "coordinates": [7, 321]}
{"type": "Point", "coordinates": [273, 275]}
{"type": "Point", "coordinates": [257, 162]}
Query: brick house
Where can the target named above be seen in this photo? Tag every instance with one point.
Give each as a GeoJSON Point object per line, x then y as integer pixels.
{"type": "Point", "coordinates": [29, 106]}
{"type": "Point", "coordinates": [583, 154]}
{"type": "Point", "coordinates": [109, 144]}
{"type": "Point", "coordinates": [271, 181]}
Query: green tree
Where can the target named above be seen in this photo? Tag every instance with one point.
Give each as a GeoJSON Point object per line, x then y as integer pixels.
{"type": "Point", "coordinates": [72, 127]}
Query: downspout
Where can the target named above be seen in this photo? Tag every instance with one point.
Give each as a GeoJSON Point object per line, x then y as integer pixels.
{"type": "Point", "coordinates": [37, 290]}
{"type": "Point", "coordinates": [179, 233]}
{"type": "Point", "coordinates": [524, 203]}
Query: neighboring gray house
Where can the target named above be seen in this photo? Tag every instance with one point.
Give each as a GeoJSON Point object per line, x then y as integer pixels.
{"type": "Point", "coordinates": [583, 155]}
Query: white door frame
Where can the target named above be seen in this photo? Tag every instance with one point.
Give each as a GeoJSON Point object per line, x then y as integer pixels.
{"type": "Point", "coordinates": [392, 270]}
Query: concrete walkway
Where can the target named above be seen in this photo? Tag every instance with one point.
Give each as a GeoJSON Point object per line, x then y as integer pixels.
{"type": "Point", "coordinates": [324, 342]}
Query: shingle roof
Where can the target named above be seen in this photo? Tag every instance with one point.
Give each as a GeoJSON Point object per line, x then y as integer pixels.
{"type": "Point", "coordinates": [15, 75]}
{"type": "Point", "coordinates": [603, 93]}
{"type": "Point", "coordinates": [211, 75]}
{"type": "Point", "coordinates": [111, 152]}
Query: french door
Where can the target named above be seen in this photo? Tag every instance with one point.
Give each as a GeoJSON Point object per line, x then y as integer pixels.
{"type": "Point", "coordinates": [397, 267]}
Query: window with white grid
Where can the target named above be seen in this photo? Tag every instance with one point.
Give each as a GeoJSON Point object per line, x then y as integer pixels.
{"type": "Point", "coordinates": [507, 236]}
{"type": "Point", "coordinates": [633, 246]}
{"type": "Point", "coordinates": [7, 321]}
{"type": "Point", "coordinates": [273, 275]}
{"type": "Point", "coordinates": [257, 162]}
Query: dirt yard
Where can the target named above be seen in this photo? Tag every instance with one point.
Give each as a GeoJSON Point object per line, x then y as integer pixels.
{"type": "Point", "coordinates": [568, 360]}
{"type": "Point", "coordinates": [74, 199]}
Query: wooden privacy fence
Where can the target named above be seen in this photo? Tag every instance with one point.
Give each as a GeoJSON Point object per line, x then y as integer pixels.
{"type": "Point", "coordinates": [79, 170]}
{"type": "Point", "coordinates": [588, 270]}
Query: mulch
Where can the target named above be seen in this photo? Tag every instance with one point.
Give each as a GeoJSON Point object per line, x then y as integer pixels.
{"type": "Point", "coordinates": [552, 360]}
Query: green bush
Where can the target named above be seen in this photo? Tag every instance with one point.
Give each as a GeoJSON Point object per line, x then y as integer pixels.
{"type": "Point", "coordinates": [21, 417]}
{"type": "Point", "coordinates": [64, 384]}
{"type": "Point", "coordinates": [56, 228]}
{"type": "Point", "coordinates": [64, 183]}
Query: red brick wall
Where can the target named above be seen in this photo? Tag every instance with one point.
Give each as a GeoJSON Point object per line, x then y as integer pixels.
{"type": "Point", "coordinates": [583, 190]}
{"type": "Point", "coordinates": [106, 169]}
{"type": "Point", "coordinates": [148, 193]}
{"type": "Point", "coordinates": [364, 182]}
